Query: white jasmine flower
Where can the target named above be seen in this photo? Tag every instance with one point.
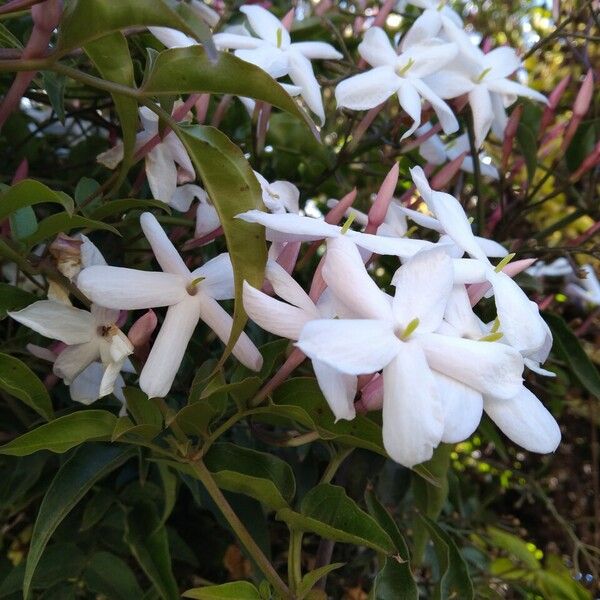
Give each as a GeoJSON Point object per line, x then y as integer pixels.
{"type": "Point", "coordinates": [189, 296]}
{"type": "Point", "coordinates": [401, 74]}
{"type": "Point", "coordinates": [431, 20]}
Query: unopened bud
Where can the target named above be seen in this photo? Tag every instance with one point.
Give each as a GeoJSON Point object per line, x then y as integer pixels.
{"type": "Point", "coordinates": [141, 331]}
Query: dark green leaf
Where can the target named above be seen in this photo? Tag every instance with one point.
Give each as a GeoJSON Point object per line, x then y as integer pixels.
{"type": "Point", "coordinates": [18, 380]}
{"type": "Point", "coordinates": [147, 539]}
{"type": "Point", "coordinates": [233, 189]}
{"type": "Point", "coordinates": [454, 579]}
{"type": "Point", "coordinates": [55, 88]}
{"type": "Point", "coordinates": [236, 590]}
{"type": "Point", "coordinates": [29, 192]}
{"type": "Point", "coordinates": [310, 579]}
{"type": "Point", "coordinates": [329, 512]}
{"type": "Point", "coordinates": [13, 298]}
{"type": "Point", "coordinates": [528, 145]}
{"type": "Point", "coordinates": [257, 474]}
{"type": "Point", "coordinates": [96, 508]}
{"type": "Point", "coordinates": [62, 222]}
{"type": "Point", "coordinates": [110, 576]}
{"type": "Point", "coordinates": [570, 350]}
{"type": "Point", "coordinates": [127, 431]}
{"type": "Point", "coordinates": [79, 473]}
{"type": "Point", "coordinates": [119, 207]}
{"type": "Point", "coordinates": [64, 433]}
{"type": "Point", "coordinates": [143, 410]}
{"type": "Point", "coordinates": [515, 546]}
{"type": "Point", "coordinates": [23, 223]}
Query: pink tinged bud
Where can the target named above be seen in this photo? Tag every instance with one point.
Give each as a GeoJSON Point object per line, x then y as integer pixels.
{"type": "Point", "coordinates": [383, 199]}
{"type": "Point", "coordinates": [221, 110]}
{"type": "Point", "coordinates": [448, 171]}
{"type": "Point", "coordinates": [383, 13]}
{"type": "Point", "coordinates": [323, 7]}
{"type": "Point", "coordinates": [580, 107]}
{"type": "Point", "coordinates": [487, 44]}
{"type": "Point", "coordinates": [288, 19]}
{"type": "Point", "coordinates": [289, 255]}
{"type": "Point", "coordinates": [201, 106]}
{"type": "Point", "coordinates": [336, 214]}
{"type": "Point", "coordinates": [371, 396]}
{"type": "Point", "coordinates": [477, 291]}
{"type": "Point", "coordinates": [21, 172]}
{"type": "Point", "coordinates": [553, 100]}
{"type": "Point", "coordinates": [202, 241]}
{"type": "Point", "coordinates": [262, 125]}
{"type": "Point", "coordinates": [411, 145]}
{"type": "Point", "coordinates": [141, 331]}
{"type": "Point", "coordinates": [318, 285]}
{"type": "Point", "coordinates": [510, 133]}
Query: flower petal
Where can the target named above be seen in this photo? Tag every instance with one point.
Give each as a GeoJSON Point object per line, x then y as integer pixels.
{"type": "Point", "coordinates": [423, 285]}
{"type": "Point", "coordinates": [90, 255]}
{"type": "Point", "coordinates": [286, 287]}
{"type": "Point", "coordinates": [428, 58]}
{"type": "Point", "coordinates": [346, 275]}
{"type": "Point", "coordinates": [402, 247]}
{"type": "Point", "coordinates": [376, 48]}
{"type": "Point", "coordinates": [184, 195]}
{"type": "Point", "coordinates": [301, 73]}
{"type": "Point", "coordinates": [86, 386]}
{"type": "Point", "coordinates": [266, 57]}
{"type": "Point", "coordinates": [462, 407]}
{"type": "Point", "coordinates": [509, 87]}
{"type": "Point", "coordinates": [169, 347]}
{"type": "Point", "coordinates": [338, 388]}
{"type": "Point", "coordinates": [167, 256]}
{"type": "Point", "coordinates": [172, 38]}
{"type": "Point", "coordinates": [218, 277]}
{"type": "Point", "coordinates": [285, 227]}
{"type": "Point", "coordinates": [351, 346]}
{"type": "Point", "coordinates": [288, 195]}
{"type": "Point", "coordinates": [266, 25]}
{"type": "Point", "coordinates": [207, 219]}
{"type": "Point", "coordinates": [129, 289]}
{"type": "Point", "coordinates": [525, 420]}
{"type": "Point", "coordinates": [425, 27]}
{"type": "Point", "coordinates": [367, 90]}
{"type": "Point", "coordinates": [217, 318]}
{"type": "Point", "coordinates": [161, 172]}
{"type": "Point", "coordinates": [410, 101]}
{"type": "Point", "coordinates": [483, 114]}
{"type": "Point", "coordinates": [273, 315]}
{"type": "Point", "coordinates": [234, 41]}
{"type": "Point", "coordinates": [317, 50]}
{"type": "Point", "coordinates": [441, 109]}
{"type": "Point", "coordinates": [74, 359]}
{"type": "Point", "coordinates": [449, 83]}
{"type": "Point", "coordinates": [57, 321]}
{"type": "Point", "coordinates": [502, 62]}
{"type": "Point", "coordinates": [412, 410]}
{"type": "Point", "coordinates": [489, 367]}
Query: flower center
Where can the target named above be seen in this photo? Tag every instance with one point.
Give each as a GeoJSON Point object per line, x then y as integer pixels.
{"type": "Point", "coordinates": [482, 75]}
{"type": "Point", "coordinates": [192, 287]}
{"type": "Point", "coordinates": [400, 71]}
{"type": "Point", "coordinates": [108, 331]}
{"type": "Point", "coordinates": [279, 35]}
{"type": "Point", "coordinates": [408, 330]}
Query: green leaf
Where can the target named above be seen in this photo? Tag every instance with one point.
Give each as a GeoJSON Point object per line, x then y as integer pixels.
{"type": "Point", "coordinates": [29, 192]}
{"type": "Point", "coordinates": [110, 55]}
{"type": "Point", "coordinates": [230, 182]}
{"type": "Point", "coordinates": [127, 431]}
{"type": "Point", "coordinates": [329, 512]}
{"type": "Point", "coordinates": [23, 223]}
{"type": "Point", "coordinates": [262, 476]}
{"type": "Point", "coordinates": [61, 222]}
{"type": "Point", "coordinates": [195, 419]}
{"type": "Point", "coordinates": [54, 83]}
{"type": "Point", "coordinates": [311, 578]}
{"type": "Point", "coordinates": [395, 580]}
{"type": "Point", "coordinates": [569, 348]}
{"type": "Point", "coordinates": [169, 483]}
{"type": "Point", "coordinates": [147, 539]}
{"type": "Point", "coordinates": [528, 145]}
{"type": "Point", "coordinates": [454, 579]}
{"type": "Point", "coordinates": [301, 400]}
{"type": "Point", "coordinates": [87, 20]}
{"type": "Point", "coordinates": [111, 577]}
{"type": "Point", "coordinates": [96, 508]}
{"type": "Point", "coordinates": [18, 380]}
{"type": "Point", "coordinates": [236, 590]}
{"type": "Point", "coordinates": [190, 70]}
{"type": "Point", "coordinates": [143, 410]}
{"type": "Point", "coordinates": [64, 433]}
{"type": "Point", "coordinates": [13, 298]}
{"type": "Point", "coordinates": [514, 546]}
{"type": "Point", "coordinates": [119, 207]}
{"type": "Point", "coordinates": [582, 144]}
{"type": "Point", "coordinates": [78, 474]}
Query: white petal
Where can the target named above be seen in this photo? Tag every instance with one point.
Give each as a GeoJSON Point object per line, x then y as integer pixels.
{"type": "Point", "coordinates": [111, 157]}
{"type": "Point", "coordinates": [402, 247]}
{"type": "Point", "coordinates": [506, 86]}
{"type": "Point", "coordinates": [442, 110]}
{"type": "Point", "coordinates": [286, 287]}
{"type": "Point", "coordinates": [90, 255]}
{"type": "Point", "coordinates": [207, 219]}
{"type": "Point", "coordinates": [423, 220]}
{"type": "Point", "coordinates": [432, 149]}
{"type": "Point", "coordinates": [425, 27]}
{"type": "Point", "coordinates": [338, 388]}
{"type": "Point", "coordinates": [104, 317]}
{"type": "Point", "coordinates": [129, 289]}
{"type": "Point", "coordinates": [74, 359]}
{"type": "Point", "coordinates": [483, 115]}
{"type": "Point", "coordinates": [491, 248]}
{"type": "Point", "coordinates": [410, 101]}
{"type": "Point", "coordinates": [412, 411]}
{"type": "Point", "coordinates": [57, 321]}
{"type": "Point", "coordinates": [273, 315]}
{"type": "Point", "coordinates": [184, 195]}
{"type": "Point", "coordinates": [169, 347]}
{"type": "Point", "coordinates": [449, 83]}
{"type": "Point", "coordinates": [161, 173]}
{"type": "Point", "coordinates": [502, 62]}
{"type": "Point", "coordinates": [266, 25]}
{"type": "Point", "coordinates": [168, 258]}
{"type": "Point", "coordinates": [234, 41]}
{"type": "Point", "coordinates": [428, 58]}
{"type": "Point", "coordinates": [460, 315]}
{"type": "Point", "coordinates": [450, 214]}
{"type": "Point", "coordinates": [367, 90]}
{"type": "Point", "coordinates": [423, 285]}
{"type": "Point", "coordinates": [462, 406]}
{"type": "Point", "coordinates": [302, 75]}
{"type": "Point", "coordinates": [109, 377]}
{"type": "Point", "coordinates": [520, 319]}
{"type": "Point", "coordinates": [489, 367]}
{"type": "Point", "coordinates": [179, 154]}
{"type": "Point", "coordinates": [468, 270]}
{"type": "Point", "coordinates": [345, 274]}
{"type": "Point", "coordinates": [217, 318]}
{"type": "Point", "coordinates": [86, 386]}
{"type": "Point", "coordinates": [218, 277]}
{"type": "Point", "coordinates": [172, 38]}
{"type": "Point", "coordinates": [526, 421]}
{"type": "Point", "coordinates": [317, 50]}
{"type": "Point", "coordinates": [354, 347]}
{"type": "Point", "coordinates": [266, 57]}
{"type": "Point", "coordinates": [376, 48]}
{"type": "Point", "coordinates": [287, 195]}
{"type": "Point", "coordinates": [500, 118]}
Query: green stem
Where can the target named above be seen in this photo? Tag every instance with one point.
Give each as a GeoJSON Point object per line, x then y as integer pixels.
{"type": "Point", "coordinates": [295, 559]}
{"type": "Point", "coordinates": [337, 458]}
{"type": "Point", "coordinates": [239, 529]}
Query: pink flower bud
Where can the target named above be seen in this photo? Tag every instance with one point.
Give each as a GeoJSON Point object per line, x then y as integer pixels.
{"type": "Point", "coordinates": [580, 108]}
{"type": "Point", "coordinates": [201, 106]}
{"type": "Point", "coordinates": [335, 215]}
{"type": "Point", "coordinates": [141, 331]}
{"type": "Point", "coordinates": [510, 133]}
{"type": "Point", "coordinates": [371, 396]}
{"type": "Point", "coordinates": [553, 100]}
{"type": "Point", "coordinates": [383, 199]}
{"type": "Point", "coordinates": [448, 171]}
{"type": "Point", "coordinates": [288, 19]}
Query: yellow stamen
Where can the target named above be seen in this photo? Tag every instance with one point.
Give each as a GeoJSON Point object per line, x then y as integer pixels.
{"type": "Point", "coordinates": [410, 328]}
{"type": "Point", "coordinates": [492, 337]}
{"type": "Point", "coordinates": [406, 67]}
{"type": "Point", "coordinates": [279, 37]}
{"type": "Point", "coordinates": [192, 287]}
{"type": "Point", "coordinates": [495, 325]}
{"type": "Point", "coordinates": [504, 262]}
{"type": "Point", "coordinates": [483, 73]}
{"type": "Point", "coordinates": [348, 222]}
